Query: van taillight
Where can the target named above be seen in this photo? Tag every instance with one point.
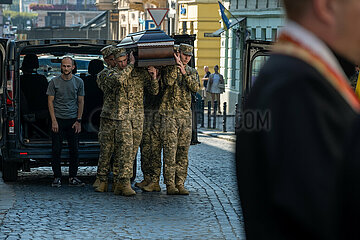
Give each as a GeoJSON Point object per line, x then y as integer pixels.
{"type": "Point", "coordinates": [8, 99]}
{"type": "Point", "coordinates": [11, 126]}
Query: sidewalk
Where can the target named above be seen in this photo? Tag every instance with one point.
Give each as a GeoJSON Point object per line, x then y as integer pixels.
{"type": "Point", "coordinates": [230, 136]}
{"type": "Point", "coordinates": [7, 198]}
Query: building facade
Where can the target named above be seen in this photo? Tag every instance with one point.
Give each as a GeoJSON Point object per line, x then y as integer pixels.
{"type": "Point", "coordinates": [129, 16]}
{"type": "Point", "coordinates": [64, 13]}
{"type": "Point", "coordinates": [24, 5]}
{"type": "Point", "coordinates": [200, 17]}
{"type": "Point", "coordinates": [259, 19]}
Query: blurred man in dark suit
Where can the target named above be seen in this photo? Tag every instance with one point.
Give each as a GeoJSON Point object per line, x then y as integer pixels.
{"type": "Point", "coordinates": [298, 178]}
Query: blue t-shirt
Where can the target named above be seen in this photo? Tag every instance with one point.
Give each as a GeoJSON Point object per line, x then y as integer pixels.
{"type": "Point", "coordinates": [66, 94]}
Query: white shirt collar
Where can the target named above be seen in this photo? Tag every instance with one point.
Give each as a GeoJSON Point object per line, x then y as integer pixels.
{"type": "Point", "coordinates": [313, 43]}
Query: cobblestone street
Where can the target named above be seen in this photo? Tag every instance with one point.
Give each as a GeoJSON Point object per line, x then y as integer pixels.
{"type": "Point", "coordinates": [32, 209]}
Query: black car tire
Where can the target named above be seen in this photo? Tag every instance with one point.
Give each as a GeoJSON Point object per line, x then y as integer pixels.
{"type": "Point", "coordinates": [9, 171]}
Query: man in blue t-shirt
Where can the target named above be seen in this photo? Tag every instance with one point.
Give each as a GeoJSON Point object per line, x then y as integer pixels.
{"type": "Point", "coordinates": [66, 104]}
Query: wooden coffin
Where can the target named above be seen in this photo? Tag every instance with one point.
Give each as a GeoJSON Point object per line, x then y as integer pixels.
{"type": "Point", "coordinates": [150, 48]}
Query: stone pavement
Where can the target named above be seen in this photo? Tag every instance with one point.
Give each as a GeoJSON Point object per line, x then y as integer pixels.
{"type": "Point", "coordinates": [7, 198]}
{"type": "Point", "coordinates": [211, 211]}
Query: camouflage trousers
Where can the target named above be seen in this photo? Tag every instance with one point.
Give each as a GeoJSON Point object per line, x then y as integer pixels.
{"type": "Point", "coordinates": [151, 146]}
{"type": "Point", "coordinates": [176, 134]}
{"type": "Point", "coordinates": [129, 138]}
{"type": "Point", "coordinates": [120, 139]}
{"type": "Point", "coordinates": [108, 147]}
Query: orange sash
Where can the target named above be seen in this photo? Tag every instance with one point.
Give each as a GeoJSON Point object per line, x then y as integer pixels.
{"type": "Point", "coordinates": [289, 46]}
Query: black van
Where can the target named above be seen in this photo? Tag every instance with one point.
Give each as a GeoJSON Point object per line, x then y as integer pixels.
{"type": "Point", "coordinates": [25, 140]}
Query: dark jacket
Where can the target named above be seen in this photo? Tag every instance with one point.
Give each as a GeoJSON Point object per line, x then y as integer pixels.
{"type": "Point", "coordinates": [291, 176]}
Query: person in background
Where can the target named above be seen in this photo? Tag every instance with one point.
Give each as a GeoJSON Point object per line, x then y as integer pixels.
{"type": "Point", "coordinates": [298, 171]}
{"type": "Point", "coordinates": [34, 99]}
{"type": "Point", "coordinates": [66, 104]}
{"type": "Point", "coordinates": [215, 87]}
{"type": "Point", "coordinates": [205, 80]}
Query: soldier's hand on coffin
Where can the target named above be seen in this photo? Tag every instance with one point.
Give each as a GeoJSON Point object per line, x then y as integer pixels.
{"type": "Point", "coordinates": [153, 71]}
{"type": "Point", "coordinates": [177, 59]}
{"type": "Point", "coordinates": [180, 64]}
{"type": "Point", "coordinates": [132, 58]}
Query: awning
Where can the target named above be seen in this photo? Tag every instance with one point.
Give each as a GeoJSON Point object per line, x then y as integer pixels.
{"type": "Point", "coordinates": [96, 22]}
{"type": "Point", "coordinates": [218, 32]}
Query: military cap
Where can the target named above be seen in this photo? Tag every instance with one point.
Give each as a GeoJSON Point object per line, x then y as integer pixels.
{"type": "Point", "coordinates": [119, 52]}
{"type": "Point", "coordinates": [186, 49]}
{"type": "Point", "coordinates": [176, 47]}
{"type": "Point", "coordinates": [107, 51]}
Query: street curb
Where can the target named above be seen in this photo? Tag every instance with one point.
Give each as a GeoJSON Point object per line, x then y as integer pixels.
{"type": "Point", "coordinates": [7, 199]}
{"type": "Point", "coordinates": [216, 135]}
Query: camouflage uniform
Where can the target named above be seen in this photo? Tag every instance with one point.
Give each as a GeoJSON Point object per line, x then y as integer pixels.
{"type": "Point", "coordinates": [175, 112]}
{"type": "Point", "coordinates": [151, 144]}
{"type": "Point", "coordinates": [106, 143]}
{"type": "Point", "coordinates": [139, 80]}
{"type": "Point", "coordinates": [123, 103]}
{"type": "Point", "coordinates": [113, 83]}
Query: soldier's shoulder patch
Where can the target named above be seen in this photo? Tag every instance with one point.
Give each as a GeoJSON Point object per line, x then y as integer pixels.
{"type": "Point", "coordinates": [110, 74]}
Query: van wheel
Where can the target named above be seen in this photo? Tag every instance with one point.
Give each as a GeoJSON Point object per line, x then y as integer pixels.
{"type": "Point", "coordinates": [9, 171]}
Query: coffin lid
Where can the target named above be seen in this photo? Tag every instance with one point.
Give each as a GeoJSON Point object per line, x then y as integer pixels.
{"type": "Point", "coordinates": [147, 36]}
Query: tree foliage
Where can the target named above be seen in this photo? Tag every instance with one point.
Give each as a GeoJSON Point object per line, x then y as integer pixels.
{"type": "Point", "coordinates": [23, 15]}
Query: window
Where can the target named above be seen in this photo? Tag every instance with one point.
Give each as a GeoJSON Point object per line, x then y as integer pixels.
{"type": "Point", "coordinates": [274, 34]}
{"type": "Point", "coordinates": [263, 34]}
{"type": "Point", "coordinates": [56, 19]}
{"type": "Point", "coordinates": [256, 65]}
{"type": "Point", "coordinates": [123, 32]}
{"type": "Point", "coordinates": [253, 33]}
{"type": "Point", "coordinates": [184, 27]}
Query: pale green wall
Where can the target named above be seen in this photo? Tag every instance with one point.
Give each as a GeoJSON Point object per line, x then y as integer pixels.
{"type": "Point", "coordinates": [263, 22]}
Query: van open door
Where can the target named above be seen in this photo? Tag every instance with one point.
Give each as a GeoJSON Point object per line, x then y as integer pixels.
{"type": "Point", "coordinates": [256, 54]}
{"type": "Point", "coordinates": [3, 76]}
{"type": "Point", "coordinates": [4, 43]}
